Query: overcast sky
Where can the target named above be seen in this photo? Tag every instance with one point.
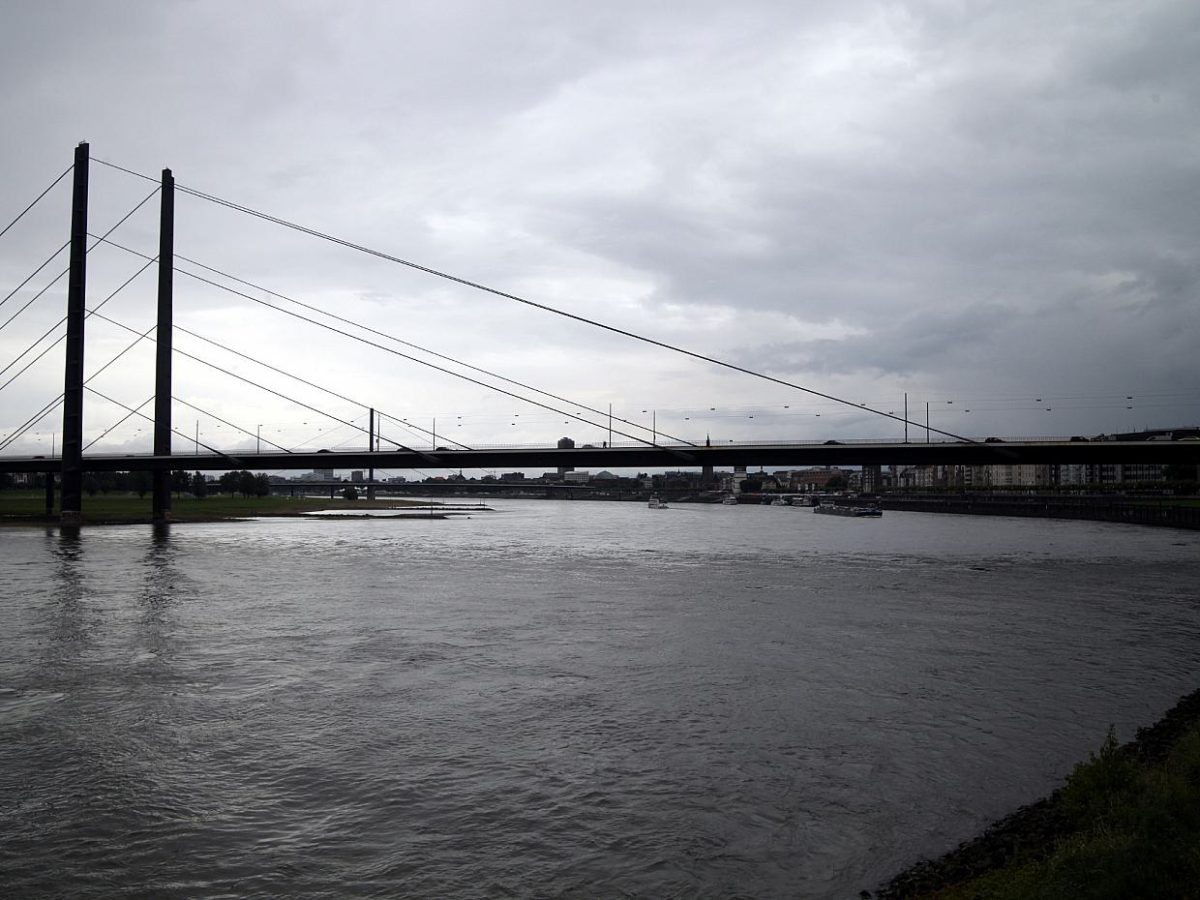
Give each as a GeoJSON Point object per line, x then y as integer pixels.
{"type": "Point", "coordinates": [993, 207]}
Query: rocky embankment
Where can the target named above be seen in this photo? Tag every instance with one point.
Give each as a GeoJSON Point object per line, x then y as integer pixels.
{"type": "Point", "coordinates": [1032, 830]}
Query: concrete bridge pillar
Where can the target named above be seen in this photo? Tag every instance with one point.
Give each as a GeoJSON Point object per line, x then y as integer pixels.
{"type": "Point", "coordinates": [72, 447]}
{"type": "Point", "coordinates": [161, 503]}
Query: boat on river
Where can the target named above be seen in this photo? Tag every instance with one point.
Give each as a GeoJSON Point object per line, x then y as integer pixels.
{"type": "Point", "coordinates": [730, 501]}
{"type": "Point", "coordinates": [655, 503]}
{"type": "Point", "coordinates": [857, 512]}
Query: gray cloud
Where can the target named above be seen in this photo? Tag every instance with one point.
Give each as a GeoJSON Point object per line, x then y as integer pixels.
{"type": "Point", "coordinates": [966, 201]}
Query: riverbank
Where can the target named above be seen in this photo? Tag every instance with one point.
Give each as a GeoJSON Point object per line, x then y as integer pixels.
{"type": "Point", "coordinates": [1125, 824]}
{"type": "Point", "coordinates": [1169, 512]}
{"type": "Point", "coordinates": [29, 508]}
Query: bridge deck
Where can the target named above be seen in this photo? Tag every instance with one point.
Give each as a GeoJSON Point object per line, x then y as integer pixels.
{"type": "Point", "coordinates": [660, 456]}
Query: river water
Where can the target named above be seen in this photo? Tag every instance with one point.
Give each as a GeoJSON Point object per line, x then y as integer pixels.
{"type": "Point", "coordinates": [561, 699]}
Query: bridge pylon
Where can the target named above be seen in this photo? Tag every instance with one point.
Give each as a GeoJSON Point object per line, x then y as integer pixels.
{"type": "Point", "coordinates": [71, 504]}
{"type": "Point", "coordinates": [162, 362]}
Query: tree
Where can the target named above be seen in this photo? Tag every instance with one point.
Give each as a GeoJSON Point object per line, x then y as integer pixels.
{"type": "Point", "coordinates": [262, 485]}
{"type": "Point", "coordinates": [229, 483]}
{"type": "Point", "coordinates": [350, 492]}
{"type": "Point", "coordinates": [246, 486]}
{"type": "Point", "coordinates": [91, 484]}
{"type": "Point", "coordinates": [1181, 472]}
{"type": "Point", "coordinates": [141, 482]}
{"type": "Point", "coordinates": [180, 481]}
{"type": "Point", "coordinates": [199, 486]}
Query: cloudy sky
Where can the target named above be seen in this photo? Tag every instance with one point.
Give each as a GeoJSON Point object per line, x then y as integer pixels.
{"type": "Point", "coordinates": [990, 206]}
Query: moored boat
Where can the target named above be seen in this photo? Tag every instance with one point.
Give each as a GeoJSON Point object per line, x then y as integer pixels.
{"type": "Point", "coordinates": [857, 512]}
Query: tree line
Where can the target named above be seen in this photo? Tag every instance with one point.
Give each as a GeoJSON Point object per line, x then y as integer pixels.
{"type": "Point", "coordinates": [245, 483]}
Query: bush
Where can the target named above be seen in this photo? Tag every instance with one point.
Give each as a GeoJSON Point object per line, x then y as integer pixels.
{"type": "Point", "coordinates": [1097, 789]}
{"type": "Point", "coordinates": [1132, 831]}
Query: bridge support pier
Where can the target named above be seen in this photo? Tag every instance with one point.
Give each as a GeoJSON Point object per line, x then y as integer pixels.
{"type": "Point", "coordinates": [161, 504]}
{"type": "Point", "coordinates": [72, 447]}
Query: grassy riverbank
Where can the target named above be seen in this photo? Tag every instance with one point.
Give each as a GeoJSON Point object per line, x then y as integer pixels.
{"type": "Point", "coordinates": [1125, 825]}
{"type": "Point", "coordinates": [29, 507]}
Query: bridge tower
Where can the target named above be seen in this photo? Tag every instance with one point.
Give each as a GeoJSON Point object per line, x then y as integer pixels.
{"type": "Point", "coordinates": [162, 363]}
{"type": "Point", "coordinates": [72, 446]}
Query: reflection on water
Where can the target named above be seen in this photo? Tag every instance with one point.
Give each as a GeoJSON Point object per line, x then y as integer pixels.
{"type": "Point", "coordinates": [69, 630]}
{"type": "Point", "coordinates": [568, 699]}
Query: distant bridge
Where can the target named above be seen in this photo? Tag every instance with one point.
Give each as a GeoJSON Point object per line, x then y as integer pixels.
{"type": "Point", "coordinates": [778, 455]}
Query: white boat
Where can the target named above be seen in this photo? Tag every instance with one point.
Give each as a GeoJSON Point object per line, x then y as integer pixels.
{"type": "Point", "coordinates": [730, 501]}
{"type": "Point", "coordinates": [779, 501]}
{"type": "Point", "coordinates": [655, 503]}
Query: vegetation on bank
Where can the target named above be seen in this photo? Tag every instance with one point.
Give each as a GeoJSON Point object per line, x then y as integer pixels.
{"type": "Point", "coordinates": [29, 507]}
{"type": "Point", "coordinates": [1125, 825]}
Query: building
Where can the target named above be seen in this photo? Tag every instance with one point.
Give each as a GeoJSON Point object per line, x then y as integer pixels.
{"type": "Point", "coordinates": [818, 479]}
{"type": "Point", "coordinates": [735, 480]}
{"type": "Point", "coordinates": [565, 443]}
{"type": "Point", "coordinates": [1020, 475]}
{"type": "Point", "coordinates": [870, 480]}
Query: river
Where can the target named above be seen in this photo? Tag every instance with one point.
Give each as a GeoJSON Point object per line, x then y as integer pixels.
{"type": "Point", "coordinates": [561, 699]}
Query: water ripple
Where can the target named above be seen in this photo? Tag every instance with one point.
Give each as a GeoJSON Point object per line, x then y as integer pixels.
{"type": "Point", "coordinates": [561, 700]}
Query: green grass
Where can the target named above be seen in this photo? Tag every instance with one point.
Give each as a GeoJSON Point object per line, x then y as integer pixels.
{"type": "Point", "coordinates": [29, 507]}
{"type": "Point", "coordinates": [1133, 831]}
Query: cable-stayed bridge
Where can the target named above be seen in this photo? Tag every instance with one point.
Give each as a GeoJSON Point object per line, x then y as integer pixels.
{"type": "Point", "coordinates": [628, 443]}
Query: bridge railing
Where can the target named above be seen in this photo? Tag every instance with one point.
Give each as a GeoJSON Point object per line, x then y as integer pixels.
{"type": "Point", "coordinates": [676, 445]}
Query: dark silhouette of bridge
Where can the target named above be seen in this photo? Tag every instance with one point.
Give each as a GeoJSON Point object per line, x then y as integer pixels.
{"type": "Point", "coordinates": [657, 451]}
{"type": "Point", "coordinates": [872, 453]}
